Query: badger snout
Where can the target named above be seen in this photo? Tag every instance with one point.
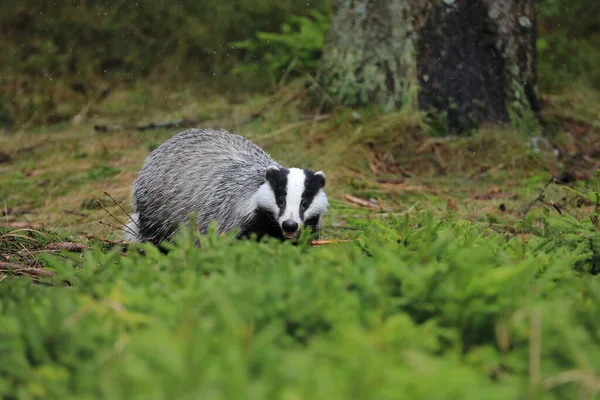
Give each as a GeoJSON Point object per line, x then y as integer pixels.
{"type": "Point", "coordinates": [290, 228]}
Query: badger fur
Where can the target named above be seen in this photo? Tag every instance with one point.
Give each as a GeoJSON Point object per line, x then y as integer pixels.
{"type": "Point", "coordinates": [223, 177]}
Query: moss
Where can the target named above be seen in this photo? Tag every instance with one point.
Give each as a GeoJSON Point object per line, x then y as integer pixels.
{"type": "Point", "coordinates": [372, 56]}
{"type": "Point", "coordinates": [516, 42]}
{"type": "Point", "coordinates": [369, 53]}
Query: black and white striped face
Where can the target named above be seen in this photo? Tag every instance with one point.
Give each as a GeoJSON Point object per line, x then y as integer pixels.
{"type": "Point", "coordinates": [295, 197]}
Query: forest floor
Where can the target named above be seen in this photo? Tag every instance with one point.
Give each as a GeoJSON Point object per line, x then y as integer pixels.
{"type": "Point", "coordinates": [472, 261]}
{"type": "Point", "coordinates": [57, 177]}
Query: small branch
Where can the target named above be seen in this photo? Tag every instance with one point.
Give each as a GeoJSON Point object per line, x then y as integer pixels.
{"type": "Point", "coordinates": [361, 202]}
{"type": "Point", "coordinates": [125, 227]}
{"type": "Point", "coordinates": [68, 246]}
{"type": "Point", "coordinates": [122, 209]}
{"type": "Point", "coordinates": [22, 270]}
{"type": "Point", "coordinates": [325, 242]}
{"type": "Point", "coordinates": [75, 212]}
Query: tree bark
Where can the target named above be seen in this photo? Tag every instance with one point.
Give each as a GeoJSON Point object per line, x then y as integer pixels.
{"type": "Point", "coordinates": [473, 61]}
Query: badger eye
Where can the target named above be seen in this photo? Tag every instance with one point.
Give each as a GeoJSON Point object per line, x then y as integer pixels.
{"type": "Point", "coordinates": [304, 204]}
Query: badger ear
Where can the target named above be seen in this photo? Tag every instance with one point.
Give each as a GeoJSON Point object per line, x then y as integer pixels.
{"type": "Point", "coordinates": [320, 178]}
{"type": "Point", "coordinates": [272, 171]}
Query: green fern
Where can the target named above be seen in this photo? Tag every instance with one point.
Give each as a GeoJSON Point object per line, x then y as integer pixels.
{"type": "Point", "coordinates": [297, 47]}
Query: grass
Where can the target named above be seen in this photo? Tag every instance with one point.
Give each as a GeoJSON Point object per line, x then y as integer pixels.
{"type": "Point", "coordinates": [445, 280]}
{"type": "Point", "coordinates": [56, 182]}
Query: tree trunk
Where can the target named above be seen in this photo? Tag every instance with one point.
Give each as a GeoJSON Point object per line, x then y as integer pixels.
{"type": "Point", "coordinates": [473, 61]}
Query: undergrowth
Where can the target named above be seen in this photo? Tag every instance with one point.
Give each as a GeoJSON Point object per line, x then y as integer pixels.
{"type": "Point", "coordinates": [445, 291]}
{"type": "Point", "coordinates": [413, 300]}
{"type": "Point", "coordinates": [60, 56]}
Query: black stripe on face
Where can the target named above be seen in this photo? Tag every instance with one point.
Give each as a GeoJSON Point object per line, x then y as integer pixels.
{"type": "Point", "coordinates": [312, 185]}
{"type": "Point", "coordinates": [278, 181]}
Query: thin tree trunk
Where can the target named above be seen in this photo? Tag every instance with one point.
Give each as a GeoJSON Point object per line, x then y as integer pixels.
{"type": "Point", "coordinates": [472, 60]}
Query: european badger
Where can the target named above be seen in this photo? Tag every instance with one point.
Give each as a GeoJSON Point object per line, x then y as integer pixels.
{"type": "Point", "coordinates": [225, 178]}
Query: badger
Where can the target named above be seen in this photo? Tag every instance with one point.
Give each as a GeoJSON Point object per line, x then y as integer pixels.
{"type": "Point", "coordinates": [224, 178]}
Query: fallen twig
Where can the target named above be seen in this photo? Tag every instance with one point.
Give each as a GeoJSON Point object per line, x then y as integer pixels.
{"type": "Point", "coordinates": [75, 212]}
{"type": "Point", "coordinates": [324, 242]}
{"type": "Point", "coordinates": [361, 202]}
{"type": "Point", "coordinates": [22, 270]}
{"type": "Point", "coordinates": [68, 246]}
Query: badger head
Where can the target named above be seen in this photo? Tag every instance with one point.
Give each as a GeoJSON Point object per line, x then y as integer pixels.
{"type": "Point", "coordinates": [295, 199]}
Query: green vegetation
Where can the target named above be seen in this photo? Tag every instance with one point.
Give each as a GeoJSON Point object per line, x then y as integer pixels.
{"type": "Point", "coordinates": [473, 273]}
{"type": "Point", "coordinates": [49, 70]}
{"type": "Point", "coordinates": [446, 283]}
{"type": "Point", "coordinates": [414, 300]}
{"type": "Point", "coordinates": [568, 43]}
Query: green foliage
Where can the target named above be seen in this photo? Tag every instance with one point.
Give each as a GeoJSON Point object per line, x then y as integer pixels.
{"type": "Point", "coordinates": [297, 47]}
{"type": "Point", "coordinates": [413, 301]}
{"type": "Point", "coordinates": [47, 47]}
{"type": "Point", "coordinates": [568, 43]}
{"type": "Point", "coordinates": [55, 55]}
{"type": "Point", "coordinates": [580, 236]}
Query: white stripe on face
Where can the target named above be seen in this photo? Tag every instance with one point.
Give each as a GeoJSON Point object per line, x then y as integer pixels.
{"type": "Point", "coordinates": [318, 206]}
{"type": "Point", "coordinates": [295, 188]}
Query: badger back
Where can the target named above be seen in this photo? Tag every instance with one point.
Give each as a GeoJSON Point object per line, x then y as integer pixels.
{"type": "Point", "coordinates": [211, 173]}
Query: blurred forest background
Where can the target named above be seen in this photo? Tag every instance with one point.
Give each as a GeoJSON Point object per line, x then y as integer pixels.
{"type": "Point", "coordinates": [57, 55]}
{"type": "Point", "coordinates": [467, 260]}
{"type": "Point", "coordinates": [77, 71]}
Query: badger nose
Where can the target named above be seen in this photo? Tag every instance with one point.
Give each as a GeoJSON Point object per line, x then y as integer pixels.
{"type": "Point", "coordinates": [290, 226]}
